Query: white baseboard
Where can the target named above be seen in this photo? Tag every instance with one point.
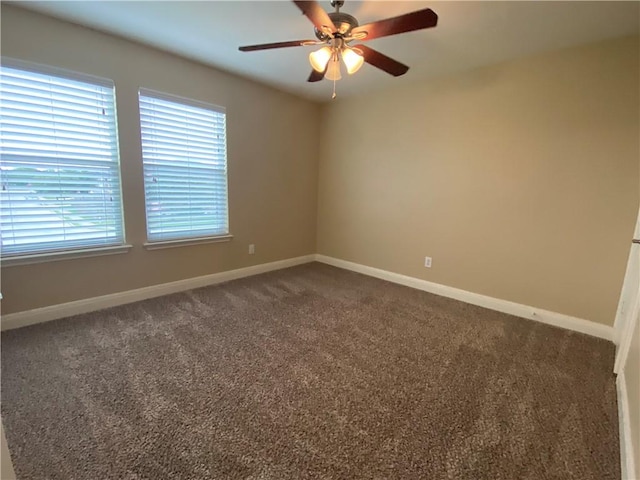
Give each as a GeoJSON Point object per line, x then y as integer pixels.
{"type": "Point", "coordinates": [505, 306]}
{"type": "Point", "coordinates": [627, 460]}
{"type": "Point", "coordinates": [53, 312]}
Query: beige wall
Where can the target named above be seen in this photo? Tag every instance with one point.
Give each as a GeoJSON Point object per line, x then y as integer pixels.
{"type": "Point", "coordinates": [520, 180]}
{"type": "Point", "coordinates": [272, 160]}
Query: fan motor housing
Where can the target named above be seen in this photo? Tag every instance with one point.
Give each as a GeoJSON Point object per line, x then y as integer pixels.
{"type": "Point", "coordinates": [343, 22]}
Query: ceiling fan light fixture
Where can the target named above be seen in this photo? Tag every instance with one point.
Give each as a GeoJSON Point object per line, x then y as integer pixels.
{"type": "Point", "coordinates": [333, 70]}
{"type": "Point", "coordinates": [337, 29]}
{"type": "Point", "coordinates": [352, 60]}
{"type": "Point", "coordinates": [320, 58]}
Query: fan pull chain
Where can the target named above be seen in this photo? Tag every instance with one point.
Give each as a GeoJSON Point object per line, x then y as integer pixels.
{"type": "Point", "coordinates": [334, 89]}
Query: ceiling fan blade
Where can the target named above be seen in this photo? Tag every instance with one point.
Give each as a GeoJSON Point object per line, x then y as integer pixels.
{"type": "Point", "coordinates": [314, 12]}
{"type": "Point", "coordinates": [267, 46]}
{"type": "Point", "coordinates": [409, 22]}
{"type": "Point", "coordinates": [316, 76]}
{"type": "Point", "coordinates": [381, 61]}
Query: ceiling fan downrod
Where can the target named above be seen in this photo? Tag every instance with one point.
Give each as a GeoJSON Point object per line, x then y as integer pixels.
{"type": "Point", "coordinates": [343, 23]}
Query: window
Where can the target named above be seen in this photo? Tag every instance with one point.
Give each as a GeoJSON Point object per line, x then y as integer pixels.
{"type": "Point", "coordinates": [185, 168]}
{"type": "Point", "coordinates": [59, 162]}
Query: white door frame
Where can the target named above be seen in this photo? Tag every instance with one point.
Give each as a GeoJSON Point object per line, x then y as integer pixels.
{"type": "Point", "coordinates": [629, 304]}
{"type": "Point", "coordinates": [625, 338]}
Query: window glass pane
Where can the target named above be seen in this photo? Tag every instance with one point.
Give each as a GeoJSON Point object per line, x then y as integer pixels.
{"type": "Point", "coordinates": [185, 167]}
{"type": "Point", "coordinates": [59, 163]}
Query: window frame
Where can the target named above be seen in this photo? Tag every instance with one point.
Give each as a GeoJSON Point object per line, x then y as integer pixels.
{"type": "Point", "coordinates": [186, 240]}
{"type": "Point", "coordinates": [79, 250]}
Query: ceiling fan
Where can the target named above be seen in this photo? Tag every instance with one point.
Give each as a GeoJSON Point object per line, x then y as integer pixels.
{"type": "Point", "coordinates": [336, 30]}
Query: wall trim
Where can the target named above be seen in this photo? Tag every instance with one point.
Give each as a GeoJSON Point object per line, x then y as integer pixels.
{"type": "Point", "coordinates": [519, 310]}
{"type": "Point", "coordinates": [54, 312]}
{"type": "Point", "coordinates": [627, 460]}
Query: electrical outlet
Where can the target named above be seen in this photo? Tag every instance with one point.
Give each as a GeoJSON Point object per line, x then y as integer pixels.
{"type": "Point", "coordinates": [427, 262]}
{"type": "Point", "coordinates": [252, 249]}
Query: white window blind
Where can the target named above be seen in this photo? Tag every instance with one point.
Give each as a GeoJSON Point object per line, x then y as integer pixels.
{"type": "Point", "coordinates": [59, 163]}
{"type": "Point", "coordinates": [185, 167]}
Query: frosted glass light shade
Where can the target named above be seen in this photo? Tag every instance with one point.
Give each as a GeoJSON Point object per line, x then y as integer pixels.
{"type": "Point", "coordinates": [352, 60]}
{"type": "Point", "coordinates": [333, 71]}
{"type": "Point", "coordinates": [320, 58]}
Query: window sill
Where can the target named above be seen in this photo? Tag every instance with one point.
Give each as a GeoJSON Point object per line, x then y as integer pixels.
{"type": "Point", "coordinates": [184, 242]}
{"type": "Point", "coordinates": [65, 255]}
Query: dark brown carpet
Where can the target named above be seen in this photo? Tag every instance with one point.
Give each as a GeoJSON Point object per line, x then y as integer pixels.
{"type": "Point", "coordinates": [309, 372]}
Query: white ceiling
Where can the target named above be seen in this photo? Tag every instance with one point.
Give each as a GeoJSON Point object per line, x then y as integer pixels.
{"type": "Point", "coordinates": [468, 35]}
